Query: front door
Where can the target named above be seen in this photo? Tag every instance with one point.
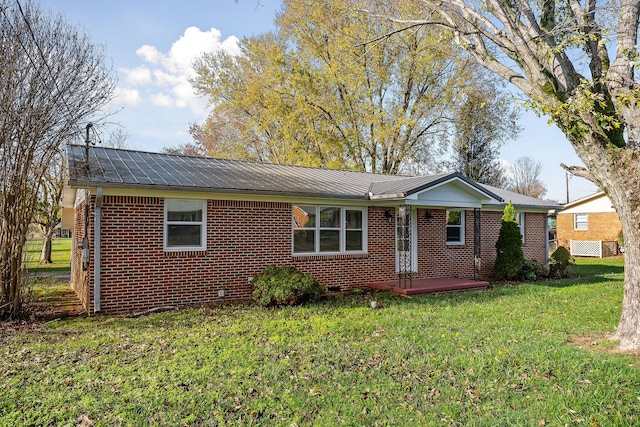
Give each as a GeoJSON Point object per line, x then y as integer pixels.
{"type": "Point", "coordinates": [406, 240]}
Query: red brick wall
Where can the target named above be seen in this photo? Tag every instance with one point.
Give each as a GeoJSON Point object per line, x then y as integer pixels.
{"type": "Point", "coordinates": [602, 226]}
{"type": "Point", "coordinates": [244, 237]}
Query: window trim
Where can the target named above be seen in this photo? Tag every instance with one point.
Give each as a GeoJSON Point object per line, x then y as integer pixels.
{"type": "Point", "coordinates": [203, 227]}
{"type": "Point", "coordinates": [461, 226]}
{"type": "Point", "coordinates": [585, 222]}
{"type": "Point", "coordinates": [342, 230]}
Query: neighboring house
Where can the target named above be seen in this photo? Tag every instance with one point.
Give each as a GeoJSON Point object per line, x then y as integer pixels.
{"type": "Point", "coordinates": [589, 226]}
{"type": "Point", "coordinates": [153, 230]}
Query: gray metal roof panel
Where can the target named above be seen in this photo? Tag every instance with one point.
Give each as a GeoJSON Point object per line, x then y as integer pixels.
{"type": "Point", "coordinates": [520, 200]}
{"type": "Point", "coordinates": [110, 167]}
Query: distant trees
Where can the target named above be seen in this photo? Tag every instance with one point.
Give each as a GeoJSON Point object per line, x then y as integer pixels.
{"type": "Point", "coordinates": [485, 119]}
{"type": "Point", "coordinates": [52, 79]}
{"type": "Point", "coordinates": [524, 178]}
{"type": "Point", "coordinates": [47, 211]}
{"type": "Point", "coordinates": [324, 90]}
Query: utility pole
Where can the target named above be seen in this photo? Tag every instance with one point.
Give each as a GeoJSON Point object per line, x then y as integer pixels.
{"type": "Point", "coordinates": [566, 177]}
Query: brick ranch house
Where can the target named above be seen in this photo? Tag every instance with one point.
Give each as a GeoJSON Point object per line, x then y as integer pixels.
{"type": "Point", "coordinates": [589, 226]}
{"type": "Point", "coordinates": [153, 230]}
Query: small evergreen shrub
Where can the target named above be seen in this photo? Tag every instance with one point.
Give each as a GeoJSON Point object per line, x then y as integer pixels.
{"type": "Point", "coordinates": [559, 262]}
{"type": "Point", "coordinates": [509, 256]}
{"type": "Point", "coordinates": [285, 285]}
{"type": "Point", "coordinates": [532, 270]}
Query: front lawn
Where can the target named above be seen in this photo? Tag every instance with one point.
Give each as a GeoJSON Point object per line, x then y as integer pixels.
{"type": "Point", "coordinates": [522, 355]}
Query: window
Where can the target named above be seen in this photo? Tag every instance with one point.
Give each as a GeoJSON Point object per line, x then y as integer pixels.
{"type": "Point", "coordinates": [184, 225]}
{"type": "Point", "coordinates": [455, 227]}
{"type": "Point", "coordinates": [328, 229]}
{"type": "Point", "coordinates": [520, 220]}
{"type": "Point", "coordinates": [581, 221]}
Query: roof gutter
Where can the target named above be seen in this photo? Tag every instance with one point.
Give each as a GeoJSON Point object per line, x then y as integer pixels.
{"type": "Point", "coordinates": [97, 223]}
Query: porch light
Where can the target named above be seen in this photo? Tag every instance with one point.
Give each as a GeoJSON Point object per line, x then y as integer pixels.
{"type": "Point", "coordinates": [387, 214]}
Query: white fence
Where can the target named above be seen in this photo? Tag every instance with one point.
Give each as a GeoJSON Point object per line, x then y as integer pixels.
{"type": "Point", "coordinates": [593, 248]}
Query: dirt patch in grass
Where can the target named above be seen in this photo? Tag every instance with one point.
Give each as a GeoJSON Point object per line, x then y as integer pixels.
{"type": "Point", "coordinates": [600, 343]}
{"type": "Point", "coordinates": [46, 299]}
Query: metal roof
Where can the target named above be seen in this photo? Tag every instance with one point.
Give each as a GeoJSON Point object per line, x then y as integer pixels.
{"type": "Point", "coordinates": [119, 168]}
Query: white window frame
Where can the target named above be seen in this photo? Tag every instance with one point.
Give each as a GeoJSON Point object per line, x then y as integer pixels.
{"type": "Point", "coordinates": [576, 222]}
{"type": "Point", "coordinates": [520, 220]}
{"type": "Point", "coordinates": [342, 230]}
{"type": "Point", "coordinates": [461, 226]}
{"type": "Point", "coordinates": [202, 224]}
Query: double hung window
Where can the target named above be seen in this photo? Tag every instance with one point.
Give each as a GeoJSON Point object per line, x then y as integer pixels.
{"type": "Point", "coordinates": [328, 229]}
{"type": "Point", "coordinates": [184, 224]}
{"type": "Point", "coordinates": [455, 227]}
{"type": "Point", "coordinates": [581, 221]}
{"type": "Point", "coordinates": [520, 221]}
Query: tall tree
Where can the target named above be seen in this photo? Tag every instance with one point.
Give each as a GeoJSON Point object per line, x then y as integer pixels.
{"type": "Point", "coordinates": [524, 178]}
{"type": "Point", "coordinates": [575, 60]}
{"type": "Point", "coordinates": [52, 78]}
{"type": "Point", "coordinates": [312, 93]}
{"type": "Point", "coordinates": [484, 120]}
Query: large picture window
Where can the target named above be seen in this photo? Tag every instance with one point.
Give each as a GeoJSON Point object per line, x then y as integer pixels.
{"type": "Point", "coordinates": [185, 224]}
{"type": "Point", "coordinates": [455, 227]}
{"type": "Point", "coordinates": [328, 229]}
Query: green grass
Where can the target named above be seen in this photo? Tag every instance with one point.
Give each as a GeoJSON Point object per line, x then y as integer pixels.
{"type": "Point", "coordinates": [502, 357]}
{"type": "Point", "coordinates": [60, 255]}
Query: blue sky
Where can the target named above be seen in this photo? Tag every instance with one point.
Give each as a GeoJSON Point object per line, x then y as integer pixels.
{"type": "Point", "coordinates": [152, 44]}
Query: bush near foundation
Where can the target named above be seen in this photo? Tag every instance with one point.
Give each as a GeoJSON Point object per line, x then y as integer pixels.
{"type": "Point", "coordinates": [277, 286]}
{"type": "Point", "coordinates": [559, 262]}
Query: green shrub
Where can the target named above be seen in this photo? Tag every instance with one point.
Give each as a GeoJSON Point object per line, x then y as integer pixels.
{"type": "Point", "coordinates": [509, 256]}
{"type": "Point", "coordinates": [559, 262]}
{"type": "Point", "coordinates": [532, 270]}
{"type": "Point", "coordinates": [285, 286]}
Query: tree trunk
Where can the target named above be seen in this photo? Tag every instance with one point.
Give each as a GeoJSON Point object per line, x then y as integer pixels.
{"type": "Point", "coordinates": [625, 195]}
{"type": "Point", "coordinates": [616, 172]}
{"type": "Point", "coordinates": [45, 254]}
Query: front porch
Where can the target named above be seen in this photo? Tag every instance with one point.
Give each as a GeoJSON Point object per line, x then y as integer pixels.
{"type": "Point", "coordinates": [428, 286]}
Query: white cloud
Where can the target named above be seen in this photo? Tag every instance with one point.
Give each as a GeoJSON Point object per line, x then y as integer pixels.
{"type": "Point", "coordinates": [137, 76]}
{"type": "Point", "coordinates": [149, 54]}
{"type": "Point", "coordinates": [166, 75]}
{"type": "Point", "coordinates": [129, 97]}
{"type": "Point", "coordinates": [162, 100]}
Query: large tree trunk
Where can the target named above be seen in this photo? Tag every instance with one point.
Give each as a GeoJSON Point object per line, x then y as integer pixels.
{"type": "Point", "coordinates": [625, 195]}
{"type": "Point", "coordinates": [617, 171]}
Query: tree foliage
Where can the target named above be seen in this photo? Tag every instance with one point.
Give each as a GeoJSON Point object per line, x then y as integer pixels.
{"type": "Point", "coordinates": [575, 61]}
{"type": "Point", "coordinates": [314, 92]}
{"type": "Point", "coordinates": [52, 78]}
{"type": "Point", "coordinates": [484, 120]}
{"type": "Point", "coordinates": [524, 178]}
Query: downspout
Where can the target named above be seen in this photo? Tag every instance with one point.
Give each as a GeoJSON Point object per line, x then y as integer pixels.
{"type": "Point", "coordinates": [97, 219]}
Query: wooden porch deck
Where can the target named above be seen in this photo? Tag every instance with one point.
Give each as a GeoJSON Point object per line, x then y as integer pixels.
{"type": "Point", "coordinates": [427, 286]}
